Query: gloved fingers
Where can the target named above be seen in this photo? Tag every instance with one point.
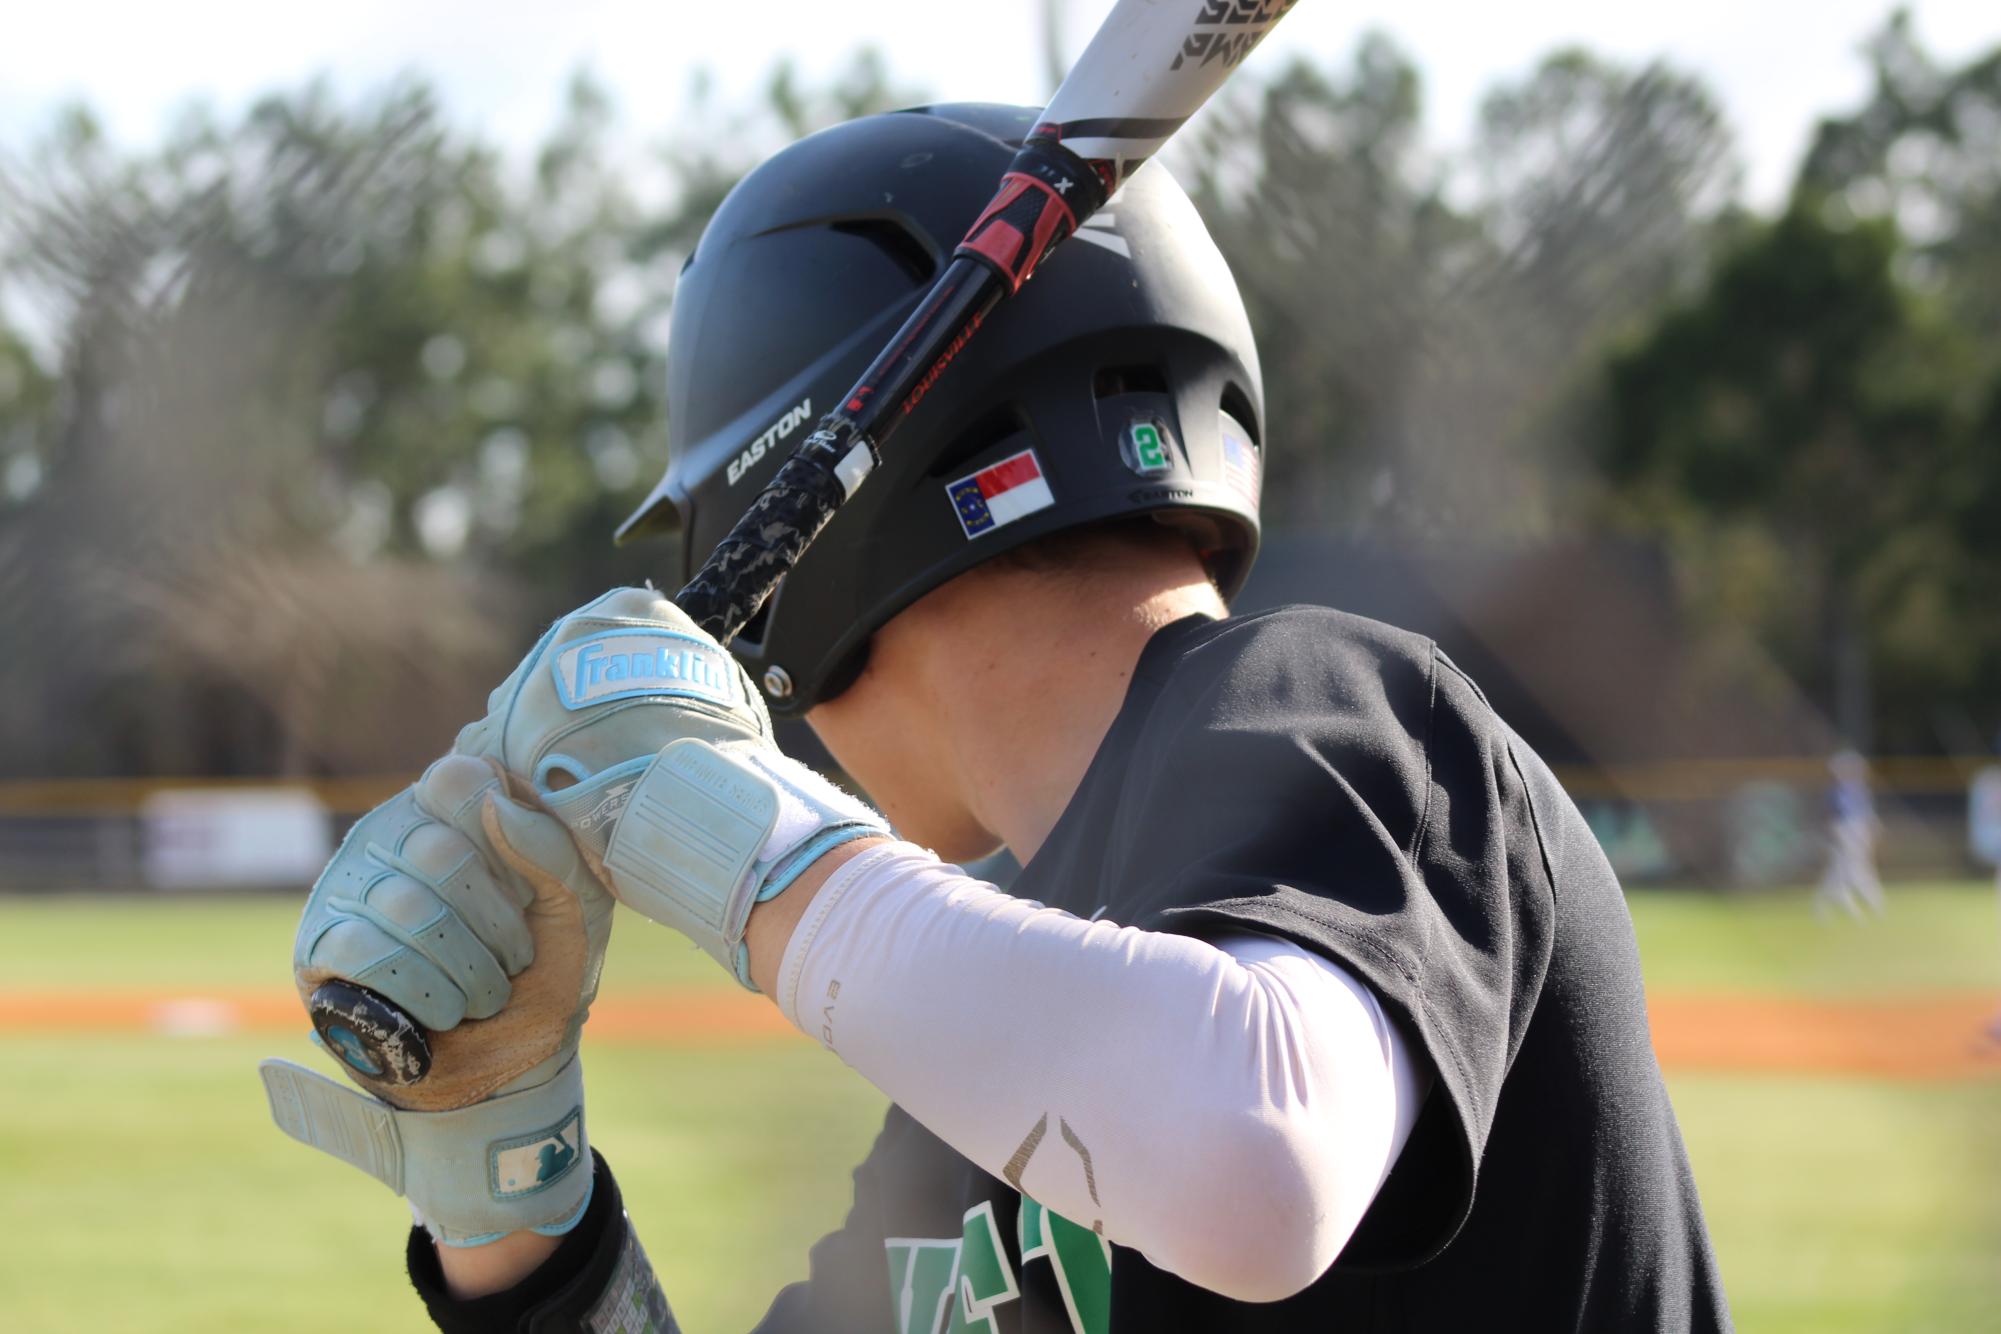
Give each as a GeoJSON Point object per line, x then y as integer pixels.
{"type": "Point", "coordinates": [570, 918]}
{"type": "Point", "coordinates": [465, 877]}
{"type": "Point", "coordinates": [634, 604]}
{"type": "Point", "coordinates": [451, 792]}
{"type": "Point", "coordinates": [543, 851]}
{"type": "Point", "coordinates": [359, 950]}
{"type": "Point", "coordinates": [537, 847]}
{"type": "Point", "coordinates": [413, 912]}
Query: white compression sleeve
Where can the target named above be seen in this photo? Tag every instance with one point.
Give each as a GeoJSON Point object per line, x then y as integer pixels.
{"type": "Point", "coordinates": [1227, 1111]}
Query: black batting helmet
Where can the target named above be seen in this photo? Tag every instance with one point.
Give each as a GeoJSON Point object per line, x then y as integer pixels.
{"type": "Point", "coordinates": [1121, 380]}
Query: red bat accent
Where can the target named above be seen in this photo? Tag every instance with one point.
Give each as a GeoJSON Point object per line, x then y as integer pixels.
{"type": "Point", "coordinates": [923, 386]}
{"type": "Point", "coordinates": [999, 240]}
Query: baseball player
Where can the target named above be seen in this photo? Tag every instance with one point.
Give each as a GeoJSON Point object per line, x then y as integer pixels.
{"type": "Point", "coordinates": [1850, 880]}
{"type": "Point", "coordinates": [1314, 1007]}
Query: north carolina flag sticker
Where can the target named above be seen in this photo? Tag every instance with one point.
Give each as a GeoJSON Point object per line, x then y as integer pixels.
{"type": "Point", "coordinates": [1009, 490]}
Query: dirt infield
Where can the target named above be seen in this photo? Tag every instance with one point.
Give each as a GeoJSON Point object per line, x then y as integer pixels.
{"type": "Point", "coordinates": [1939, 1036]}
{"type": "Point", "coordinates": [675, 1016]}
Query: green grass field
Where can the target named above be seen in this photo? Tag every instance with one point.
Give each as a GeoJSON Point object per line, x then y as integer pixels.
{"type": "Point", "coordinates": [147, 1190]}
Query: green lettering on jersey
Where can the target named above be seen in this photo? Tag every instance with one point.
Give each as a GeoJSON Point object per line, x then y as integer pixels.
{"type": "Point", "coordinates": [952, 1285]}
{"type": "Point", "coordinates": [1081, 1258]}
{"type": "Point", "coordinates": [985, 1278]}
{"type": "Point", "coordinates": [921, 1273]}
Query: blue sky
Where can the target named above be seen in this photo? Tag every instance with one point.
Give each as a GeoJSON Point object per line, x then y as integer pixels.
{"type": "Point", "coordinates": [502, 64]}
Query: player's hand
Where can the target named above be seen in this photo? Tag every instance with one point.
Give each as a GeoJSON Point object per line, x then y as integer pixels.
{"type": "Point", "coordinates": [647, 740]}
{"type": "Point", "coordinates": [474, 913]}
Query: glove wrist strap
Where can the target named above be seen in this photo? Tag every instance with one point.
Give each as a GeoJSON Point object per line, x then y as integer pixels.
{"type": "Point", "coordinates": [708, 832]}
{"type": "Point", "coordinates": [517, 1162]}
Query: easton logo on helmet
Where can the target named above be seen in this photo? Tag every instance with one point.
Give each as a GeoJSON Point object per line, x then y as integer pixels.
{"type": "Point", "coordinates": [779, 430]}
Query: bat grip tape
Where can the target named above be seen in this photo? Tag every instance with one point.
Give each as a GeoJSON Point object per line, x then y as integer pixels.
{"type": "Point", "coordinates": [766, 543]}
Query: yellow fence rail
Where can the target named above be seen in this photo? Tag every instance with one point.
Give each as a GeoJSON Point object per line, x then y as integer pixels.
{"type": "Point", "coordinates": [1667, 780]}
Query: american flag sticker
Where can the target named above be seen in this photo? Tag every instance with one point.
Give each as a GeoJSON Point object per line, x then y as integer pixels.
{"type": "Point", "coordinates": [1011, 489]}
{"type": "Point", "coordinates": [1241, 466]}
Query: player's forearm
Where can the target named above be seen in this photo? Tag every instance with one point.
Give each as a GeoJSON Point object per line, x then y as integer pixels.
{"type": "Point", "coordinates": [594, 1277]}
{"type": "Point", "coordinates": [1230, 1120]}
{"type": "Point", "coordinates": [477, 1271]}
{"type": "Point", "coordinates": [772, 923]}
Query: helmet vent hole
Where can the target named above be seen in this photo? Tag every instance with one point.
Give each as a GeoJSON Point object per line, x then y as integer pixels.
{"type": "Point", "coordinates": [1112, 381]}
{"type": "Point", "coordinates": [896, 242]}
{"type": "Point", "coordinates": [1238, 404]}
{"type": "Point", "coordinates": [987, 430]}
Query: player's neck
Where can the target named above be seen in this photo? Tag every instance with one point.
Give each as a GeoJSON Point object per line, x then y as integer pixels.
{"type": "Point", "coordinates": [1041, 680]}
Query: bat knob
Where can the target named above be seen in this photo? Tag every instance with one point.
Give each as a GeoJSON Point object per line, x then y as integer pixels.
{"type": "Point", "coordinates": [369, 1034]}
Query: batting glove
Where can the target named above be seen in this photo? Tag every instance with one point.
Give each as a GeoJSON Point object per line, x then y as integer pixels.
{"type": "Point", "coordinates": [646, 739]}
{"type": "Point", "coordinates": [475, 914]}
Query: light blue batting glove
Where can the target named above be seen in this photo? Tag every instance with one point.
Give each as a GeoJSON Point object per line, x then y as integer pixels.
{"type": "Point", "coordinates": [647, 740]}
{"type": "Point", "coordinates": [476, 915]}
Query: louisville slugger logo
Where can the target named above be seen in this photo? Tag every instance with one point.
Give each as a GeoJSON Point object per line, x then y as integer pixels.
{"type": "Point", "coordinates": [779, 430]}
{"type": "Point", "coordinates": [1227, 30]}
{"type": "Point", "coordinates": [923, 386]}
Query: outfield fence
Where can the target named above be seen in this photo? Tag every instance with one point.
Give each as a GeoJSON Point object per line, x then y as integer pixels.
{"type": "Point", "coordinates": [1724, 823]}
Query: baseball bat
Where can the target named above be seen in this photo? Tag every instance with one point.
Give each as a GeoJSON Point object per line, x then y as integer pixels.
{"type": "Point", "coordinates": [1150, 66]}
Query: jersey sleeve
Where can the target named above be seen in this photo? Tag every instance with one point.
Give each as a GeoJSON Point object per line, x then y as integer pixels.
{"type": "Point", "coordinates": [1345, 786]}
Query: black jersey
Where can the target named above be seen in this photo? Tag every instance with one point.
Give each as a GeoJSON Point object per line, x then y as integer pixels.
{"type": "Point", "coordinates": [1317, 776]}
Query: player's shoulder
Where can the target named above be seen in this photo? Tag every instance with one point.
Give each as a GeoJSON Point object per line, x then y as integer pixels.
{"type": "Point", "coordinates": [1300, 647]}
{"type": "Point", "coordinates": [1310, 669]}
{"type": "Point", "coordinates": [1292, 671]}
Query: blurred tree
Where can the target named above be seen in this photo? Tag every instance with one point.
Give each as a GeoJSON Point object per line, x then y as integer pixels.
{"type": "Point", "coordinates": [1800, 432]}
{"type": "Point", "coordinates": [337, 406]}
{"type": "Point", "coordinates": [1603, 188]}
{"type": "Point", "coordinates": [1335, 222]}
{"type": "Point", "coordinates": [1602, 183]}
{"type": "Point", "coordinates": [191, 613]}
{"type": "Point", "coordinates": [1925, 149]}
{"type": "Point", "coordinates": [1423, 356]}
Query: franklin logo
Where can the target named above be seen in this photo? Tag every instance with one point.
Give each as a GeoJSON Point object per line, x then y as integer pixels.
{"type": "Point", "coordinates": [625, 663]}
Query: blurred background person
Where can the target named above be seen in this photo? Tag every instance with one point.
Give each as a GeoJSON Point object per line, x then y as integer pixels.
{"type": "Point", "coordinates": [1850, 881]}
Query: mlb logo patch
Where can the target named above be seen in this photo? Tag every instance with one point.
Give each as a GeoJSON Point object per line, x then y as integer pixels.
{"type": "Point", "coordinates": [992, 497]}
{"type": "Point", "coordinates": [523, 1166]}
